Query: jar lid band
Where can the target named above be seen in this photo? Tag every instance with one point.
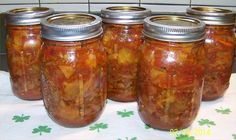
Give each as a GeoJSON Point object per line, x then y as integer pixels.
{"type": "Point", "coordinates": [27, 16]}
{"type": "Point", "coordinates": [71, 27]}
{"type": "Point", "coordinates": [174, 28]}
{"type": "Point", "coordinates": [213, 16]}
{"type": "Point", "coordinates": [124, 14]}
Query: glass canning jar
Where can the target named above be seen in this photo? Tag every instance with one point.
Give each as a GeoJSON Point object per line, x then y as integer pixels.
{"type": "Point", "coordinates": [219, 45]}
{"type": "Point", "coordinates": [73, 68]}
{"type": "Point", "coordinates": [170, 71]}
{"type": "Point", "coordinates": [122, 38]}
{"type": "Point", "coordinates": [23, 50]}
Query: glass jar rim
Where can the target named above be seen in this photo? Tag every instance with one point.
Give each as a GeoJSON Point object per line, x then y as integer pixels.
{"type": "Point", "coordinates": [174, 28]}
{"type": "Point", "coordinates": [212, 16]}
{"type": "Point", "coordinates": [27, 16]}
{"type": "Point", "coordinates": [71, 26]}
{"type": "Point", "coordinates": [125, 14]}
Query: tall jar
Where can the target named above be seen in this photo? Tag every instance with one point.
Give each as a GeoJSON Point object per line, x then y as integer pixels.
{"type": "Point", "coordinates": [219, 45]}
{"type": "Point", "coordinates": [73, 68]}
{"type": "Point", "coordinates": [122, 38]}
{"type": "Point", "coordinates": [170, 71]}
{"type": "Point", "coordinates": [23, 50]}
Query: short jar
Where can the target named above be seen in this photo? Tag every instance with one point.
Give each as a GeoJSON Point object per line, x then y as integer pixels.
{"type": "Point", "coordinates": [219, 45]}
{"type": "Point", "coordinates": [122, 38]}
{"type": "Point", "coordinates": [73, 66]}
{"type": "Point", "coordinates": [170, 71]}
{"type": "Point", "coordinates": [23, 50]}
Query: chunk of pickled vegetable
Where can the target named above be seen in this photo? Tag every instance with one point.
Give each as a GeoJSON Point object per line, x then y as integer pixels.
{"type": "Point", "coordinates": [91, 61]}
{"type": "Point", "coordinates": [72, 89]}
{"type": "Point", "coordinates": [107, 38]}
{"type": "Point", "coordinates": [67, 71]}
{"type": "Point", "coordinates": [156, 73]}
{"type": "Point", "coordinates": [125, 56]}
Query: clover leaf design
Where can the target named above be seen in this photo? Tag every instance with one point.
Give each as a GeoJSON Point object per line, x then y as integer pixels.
{"type": "Point", "coordinates": [206, 122]}
{"type": "Point", "coordinates": [125, 113]}
{"type": "Point", "coordinates": [41, 129]}
{"type": "Point", "coordinates": [185, 137]}
{"type": "Point", "coordinates": [223, 110]}
{"type": "Point", "coordinates": [20, 118]}
{"type": "Point", "coordinates": [98, 126]}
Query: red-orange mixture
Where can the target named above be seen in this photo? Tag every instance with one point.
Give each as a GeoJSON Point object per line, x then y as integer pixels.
{"type": "Point", "coordinates": [170, 78]}
{"type": "Point", "coordinates": [219, 44]}
{"type": "Point", "coordinates": [74, 81]}
{"type": "Point", "coordinates": [122, 43]}
{"type": "Point", "coordinates": [23, 52]}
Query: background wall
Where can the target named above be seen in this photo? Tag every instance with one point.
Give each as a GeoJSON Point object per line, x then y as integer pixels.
{"type": "Point", "coordinates": [96, 5]}
{"type": "Point", "coordinates": [157, 6]}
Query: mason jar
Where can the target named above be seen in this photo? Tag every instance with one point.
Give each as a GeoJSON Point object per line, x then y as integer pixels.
{"type": "Point", "coordinates": [170, 71]}
{"type": "Point", "coordinates": [73, 68]}
{"type": "Point", "coordinates": [219, 45]}
{"type": "Point", "coordinates": [123, 28]}
{"type": "Point", "coordinates": [23, 50]}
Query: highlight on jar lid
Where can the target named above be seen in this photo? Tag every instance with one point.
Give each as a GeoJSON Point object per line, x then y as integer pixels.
{"type": "Point", "coordinates": [213, 16]}
{"type": "Point", "coordinates": [27, 16]}
{"type": "Point", "coordinates": [124, 14]}
{"type": "Point", "coordinates": [174, 28]}
{"type": "Point", "coordinates": [71, 27]}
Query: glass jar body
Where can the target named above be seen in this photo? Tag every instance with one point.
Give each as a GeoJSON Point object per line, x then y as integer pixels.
{"type": "Point", "coordinates": [23, 51]}
{"type": "Point", "coordinates": [122, 43]}
{"type": "Point", "coordinates": [219, 45]}
{"type": "Point", "coordinates": [170, 79]}
{"type": "Point", "coordinates": [74, 81]}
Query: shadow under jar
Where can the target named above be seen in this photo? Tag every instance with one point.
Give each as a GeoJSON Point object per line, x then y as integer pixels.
{"type": "Point", "coordinates": [219, 45]}
{"type": "Point", "coordinates": [23, 50]}
{"type": "Point", "coordinates": [170, 71]}
{"type": "Point", "coordinates": [122, 38]}
{"type": "Point", "coordinates": [73, 68]}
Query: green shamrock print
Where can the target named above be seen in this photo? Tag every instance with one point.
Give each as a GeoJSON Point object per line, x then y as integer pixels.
{"type": "Point", "coordinates": [21, 118]}
{"type": "Point", "coordinates": [206, 122]}
{"type": "Point", "coordinates": [234, 136]}
{"type": "Point", "coordinates": [126, 138]}
{"type": "Point", "coordinates": [125, 113]}
{"type": "Point", "coordinates": [223, 111]}
{"type": "Point", "coordinates": [184, 137]}
{"type": "Point", "coordinates": [41, 129]}
{"type": "Point", "coordinates": [98, 126]}
{"type": "Point", "coordinates": [147, 126]}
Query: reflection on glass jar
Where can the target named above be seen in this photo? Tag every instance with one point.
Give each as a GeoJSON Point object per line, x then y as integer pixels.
{"type": "Point", "coordinates": [122, 37]}
{"type": "Point", "coordinates": [219, 45]}
{"type": "Point", "coordinates": [23, 50]}
{"type": "Point", "coordinates": [73, 69]}
{"type": "Point", "coordinates": [170, 71]}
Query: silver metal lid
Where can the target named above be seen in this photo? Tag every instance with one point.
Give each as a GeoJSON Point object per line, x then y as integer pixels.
{"type": "Point", "coordinates": [213, 16]}
{"type": "Point", "coordinates": [124, 14]}
{"type": "Point", "coordinates": [27, 16]}
{"type": "Point", "coordinates": [174, 28]}
{"type": "Point", "coordinates": [71, 27]}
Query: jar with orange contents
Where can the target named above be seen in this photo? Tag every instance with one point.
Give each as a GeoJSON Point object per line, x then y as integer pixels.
{"type": "Point", "coordinates": [122, 38]}
{"type": "Point", "coordinates": [23, 50]}
{"type": "Point", "coordinates": [73, 68]}
{"type": "Point", "coordinates": [170, 71]}
{"type": "Point", "coordinates": [219, 45]}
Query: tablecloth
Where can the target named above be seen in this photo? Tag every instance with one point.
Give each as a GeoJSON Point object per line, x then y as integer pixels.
{"type": "Point", "coordinates": [28, 120]}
